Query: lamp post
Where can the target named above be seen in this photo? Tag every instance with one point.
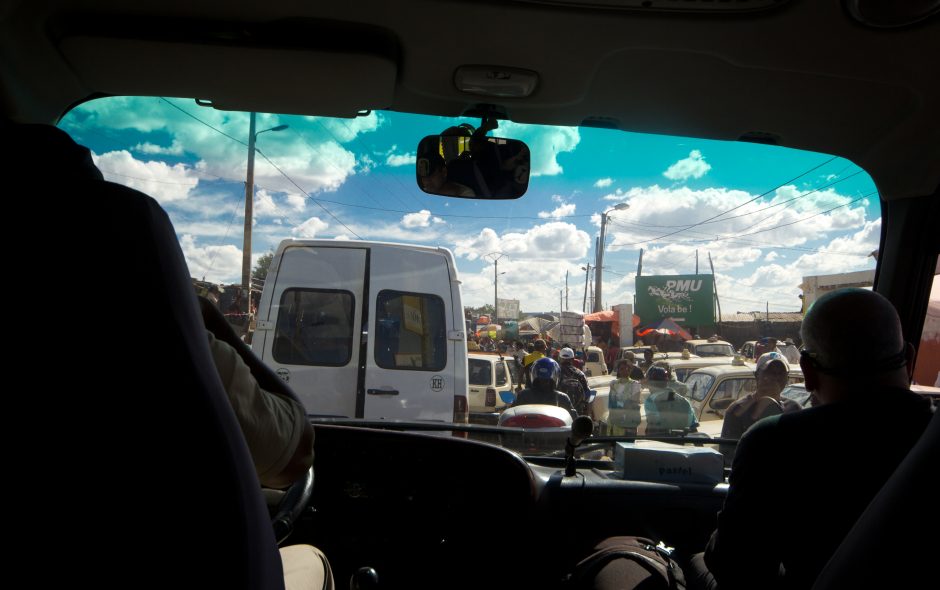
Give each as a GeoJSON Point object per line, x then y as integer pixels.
{"type": "Point", "coordinates": [249, 208]}
{"type": "Point", "coordinates": [494, 258]}
{"type": "Point", "coordinates": [600, 255]}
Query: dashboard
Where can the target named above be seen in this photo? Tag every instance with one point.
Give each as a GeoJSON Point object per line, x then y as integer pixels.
{"type": "Point", "coordinates": [439, 510]}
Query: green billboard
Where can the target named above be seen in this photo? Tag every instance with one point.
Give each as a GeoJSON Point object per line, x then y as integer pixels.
{"type": "Point", "coordinates": [688, 299]}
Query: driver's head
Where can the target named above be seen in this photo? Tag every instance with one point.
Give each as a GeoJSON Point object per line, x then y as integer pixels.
{"type": "Point", "coordinates": [545, 374]}
{"type": "Point", "coordinates": [435, 172]}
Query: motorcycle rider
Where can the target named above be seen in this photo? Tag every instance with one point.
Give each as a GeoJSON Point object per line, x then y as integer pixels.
{"type": "Point", "coordinates": [544, 389]}
{"type": "Point", "coordinates": [574, 377]}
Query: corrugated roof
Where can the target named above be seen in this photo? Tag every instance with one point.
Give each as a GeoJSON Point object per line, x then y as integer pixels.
{"type": "Point", "coordinates": [760, 316]}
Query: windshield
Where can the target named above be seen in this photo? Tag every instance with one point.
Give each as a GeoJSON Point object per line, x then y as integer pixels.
{"type": "Point", "coordinates": [728, 231]}
{"type": "Point", "coordinates": [699, 384]}
{"type": "Point", "coordinates": [714, 350]}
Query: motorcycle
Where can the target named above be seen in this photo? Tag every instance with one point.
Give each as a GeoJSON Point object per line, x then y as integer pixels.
{"type": "Point", "coordinates": [539, 428]}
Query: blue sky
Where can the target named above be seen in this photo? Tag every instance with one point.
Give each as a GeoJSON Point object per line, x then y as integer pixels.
{"type": "Point", "coordinates": [349, 178]}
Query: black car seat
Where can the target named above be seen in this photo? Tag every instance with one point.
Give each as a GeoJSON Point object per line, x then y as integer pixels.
{"type": "Point", "coordinates": [130, 466]}
{"type": "Point", "coordinates": [894, 543]}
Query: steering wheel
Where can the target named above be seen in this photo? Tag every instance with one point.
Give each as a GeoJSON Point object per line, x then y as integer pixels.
{"type": "Point", "coordinates": [291, 506]}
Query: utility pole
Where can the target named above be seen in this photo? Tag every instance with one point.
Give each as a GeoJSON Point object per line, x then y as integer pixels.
{"type": "Point", "coordinates": [598, 272]}
{"type": "Point", "coordinates": [561, 301]}
{"type": "Point", "coordinates": [249, 206]}
{"type": "Point", "coordinates": [249, 212]}
{"type": "Point", "coordinates": [566, 291]}
{"type": "Point", "coordinates": [696, 261]}
{"type": "Point", "coordinates": [715, 282]}
{"type": "Point", "coordinates": [586, 275]}
{"type": "Point", "coordinates": [494, 257]}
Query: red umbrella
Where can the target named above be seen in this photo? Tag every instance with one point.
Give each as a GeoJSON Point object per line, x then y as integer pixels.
{"type": "Point", "coordinates": [665, 326]}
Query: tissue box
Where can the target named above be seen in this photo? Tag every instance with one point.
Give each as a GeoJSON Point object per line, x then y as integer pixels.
{"type": "Point", "coordinates": [664, 462]}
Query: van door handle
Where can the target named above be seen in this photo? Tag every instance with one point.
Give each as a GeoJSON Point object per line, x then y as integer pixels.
{"type": "Point", "coordinates": [382, 391]}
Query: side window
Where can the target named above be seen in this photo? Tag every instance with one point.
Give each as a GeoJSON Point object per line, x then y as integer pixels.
{"type": "Point", "coordinates": [501, 377]}
{"type": "Point", "coordinates": [593, 357]}
{"type": "Point", "coordinates": [515, 369]}
{"type": "Point", "coordinates": [314, 327]}
{"type": "Point", "coordinates": [733, 389]}
{"type": "Point", "coordinates": [410, 331]}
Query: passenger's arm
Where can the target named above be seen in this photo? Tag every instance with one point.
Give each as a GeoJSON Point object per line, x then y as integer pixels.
{"type": "Point", "coordinates": [275, 426]}
{"type": "Point", "coordinates": [744, 551]}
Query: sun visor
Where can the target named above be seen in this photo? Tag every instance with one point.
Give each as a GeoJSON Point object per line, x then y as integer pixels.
{"type": "Point", "coordinates": [290, 81]}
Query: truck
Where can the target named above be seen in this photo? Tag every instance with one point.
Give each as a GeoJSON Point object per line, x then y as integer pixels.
{"type": "Point", "coordinates": [364, 329]}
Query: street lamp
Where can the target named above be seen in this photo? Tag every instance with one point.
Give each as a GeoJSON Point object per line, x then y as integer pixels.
{"type": "Point", "coordinates": [494, 258]}
{"type": "Point", "coordinates": [249, 208]}
{"type": "Point", "coordinates": [600, 255]}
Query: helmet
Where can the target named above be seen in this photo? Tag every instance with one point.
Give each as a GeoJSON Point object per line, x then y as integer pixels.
{"type": "Point", "coordinates": [657, 373]}
{"type": "Point", "coordinates": [545, 369]}
{"type": "Point", "coordinates": [566, 353]}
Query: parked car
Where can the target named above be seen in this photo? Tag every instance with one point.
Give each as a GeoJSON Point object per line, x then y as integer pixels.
{"type": "Point", "coordinates": [712, 389]}
{"type": "Point", "coordinates": [683, 367]}
{"type": "Point", "coordinates": [710, 347]}
{"type": "Point", "coordinates": [491, 382]}
{"type": "Point", "coordinates": [594, 363]}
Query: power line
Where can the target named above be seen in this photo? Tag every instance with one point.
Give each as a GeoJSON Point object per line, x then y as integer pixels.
{"type": "Point", "coordinates": [188, 114]}
{"type": "Point", "coordinates": [736, 206]}
{"type": "Point", "coordinates": [306, 194]}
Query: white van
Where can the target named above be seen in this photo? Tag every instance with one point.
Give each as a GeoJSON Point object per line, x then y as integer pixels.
{"type": "Point", "coordinates": [366, 329]}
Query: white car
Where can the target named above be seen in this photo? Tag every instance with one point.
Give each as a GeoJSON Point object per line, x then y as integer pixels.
{"type": "Point", "coordinates": [490, 382]}
{"type": "Point", "coordinates": [713, 389]}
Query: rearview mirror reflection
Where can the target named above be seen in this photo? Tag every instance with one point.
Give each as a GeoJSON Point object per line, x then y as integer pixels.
{"type": "Point", "coordinates": [468, 166]}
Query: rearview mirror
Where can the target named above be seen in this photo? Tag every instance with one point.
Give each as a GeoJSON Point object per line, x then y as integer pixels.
{"type": "Point", "coordinates": [459, 164]}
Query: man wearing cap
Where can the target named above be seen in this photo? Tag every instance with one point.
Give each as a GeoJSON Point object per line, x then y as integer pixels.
{"type": "Point", "coordinates": [817, 454]}
{"type": "Point", "coordinates": [772, 373]}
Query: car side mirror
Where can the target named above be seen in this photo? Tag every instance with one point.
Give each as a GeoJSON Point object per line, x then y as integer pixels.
{"type": "Point", "coordinates": [472, 166]}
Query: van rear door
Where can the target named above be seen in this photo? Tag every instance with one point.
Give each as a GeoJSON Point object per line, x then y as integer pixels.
{"type": "Point", "coordinates": [411, 361]}
{"type": "Point", "coordinates": [313, 322]}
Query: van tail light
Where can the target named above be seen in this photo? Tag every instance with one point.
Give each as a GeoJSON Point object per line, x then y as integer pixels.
{"type": "Point", "coordinates": [533, 421]}
{"type": "Point", "coordinates": [461, 414]}
{"type": "Point", "coordinates": [490, 397]}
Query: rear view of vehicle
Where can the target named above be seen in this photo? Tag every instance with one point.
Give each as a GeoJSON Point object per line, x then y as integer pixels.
{"type": "Point", "coordinates": [366, 329]}
{"type": "Point", "coordinates": [491, 386]}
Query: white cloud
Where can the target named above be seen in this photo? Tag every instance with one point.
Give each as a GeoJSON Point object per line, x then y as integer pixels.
{"type": "Point", "coordinates": [694, 166]}
{"type": "Point", "coordinates": [366, 164]}
{"type": "Point", "coordinates": [347, 130]}
{"type": "Point", "coordinates": [264, 205]}
{"type": "Point", "coordinates": [310, 228]}
{"type": "Point", "coordinates": [215, 263]}
{"type": "Point", "coordinates": [422, 218]}
{"type": "Point", "coordinates": [555, 240]}
{"type": "Point", "coordinates": [656, 211]}
{"type": "Point", "coordinates": [175, 149]}
{"type": "Point", "coordinates": [562, 211]}
{"type": "Point", "coordinates": [604, 182]}
{"type": "Point", "coordinates": [557, 198]}
{"type": "Point", "coordinates": [296, 202]}
{"type": "Point", "coordinates": [161, 181]}
{"type": "Point", "coordinates": [771, 256]}
{"type": "Point", "coordinates": [617, 195]}
{"type": "Point", "coordinates": [306, 152]}
{"type": "Point", "coordinates": [545, 144]}
{"type": "Point", "coordinates": [400, 159]}
{"type": "Point", "coordinates": [537, 286]}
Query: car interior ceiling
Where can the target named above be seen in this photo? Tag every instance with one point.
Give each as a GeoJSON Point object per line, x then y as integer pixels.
{"type": "Point", "coordinates": [377, 55]}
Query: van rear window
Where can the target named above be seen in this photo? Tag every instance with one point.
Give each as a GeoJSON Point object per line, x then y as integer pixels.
{"type": "Point", "coordinates": [314, 327]}
{"type": "Point", "coordinates": [410, 331]}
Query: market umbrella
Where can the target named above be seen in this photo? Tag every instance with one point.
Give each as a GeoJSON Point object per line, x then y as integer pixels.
{"type": "Point", "coordinates": [665, 326]}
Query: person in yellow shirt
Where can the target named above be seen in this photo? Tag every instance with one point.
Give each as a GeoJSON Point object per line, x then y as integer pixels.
{"type": "Point", "coordinates": [530, 358]}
